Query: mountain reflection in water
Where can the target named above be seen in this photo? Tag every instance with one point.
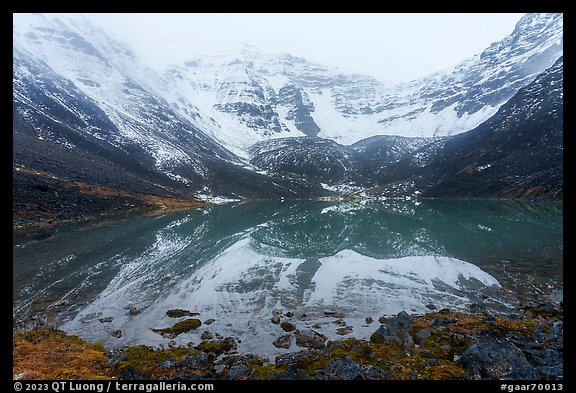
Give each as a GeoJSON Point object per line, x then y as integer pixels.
{"type": "Point", "coordinates": [237, 263]}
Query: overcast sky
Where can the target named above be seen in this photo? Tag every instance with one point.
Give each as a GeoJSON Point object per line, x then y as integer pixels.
{"type": "Point", "coordinates": [390, 47]}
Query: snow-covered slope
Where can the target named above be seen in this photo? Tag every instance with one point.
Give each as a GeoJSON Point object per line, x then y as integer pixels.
{"type": "Point", "coordinates": [245, 95]}
{"type": "Point", "coordinates": [73, 82]}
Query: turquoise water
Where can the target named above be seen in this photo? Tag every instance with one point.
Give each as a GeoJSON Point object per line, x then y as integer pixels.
{"type": "Point", "coordinates": [236, 263]}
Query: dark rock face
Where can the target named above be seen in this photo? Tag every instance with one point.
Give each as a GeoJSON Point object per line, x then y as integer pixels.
{"type": "Point", "coordinates": [299, 112]}
{"type": "Point", "coordinates": [516, 153]}
{"type": "Point", "coordinates": [491, 359]}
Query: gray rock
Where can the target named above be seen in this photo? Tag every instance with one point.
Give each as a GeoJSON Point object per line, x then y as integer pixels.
{"type": "Point", "coordinates": [275, 319]}
{"type": "Point", "coordinates": [431, 307]}
{"type": "Point", "coordinates": [374, 372]}
{"type": "Point", "coordinates": [276, 312]}
{"type": "Point", "coordinates": [209, 321]}
{"type": "Point", "coordinates": [395, 330]}
{"type": "Point", "coordinates": [302, 317]}
{"type": "Point", "coordinates": [199, 361]}
{"type": "Point", "coordinates": [106, 319]}
{"type": "Point", "coordinates": [134, 311]}
{"type": "Point", "coordinates": [283, 342]}
{"type": "Point", "coordinates": [289, 314]}
{"type": "Point", "coordinates": [240, 371]}
{"type": "Point", "coordinates": [342, 369]}
{"type": "Point", "coordinates": [422, 335]}
{"type": "Point", "coordinates": [172, 344]}
{"type": "Point", "coordinates": [310, 339]}
{"type": "Point", "coordinates": [116, 333]}
{"type": "Point", "coordinates": [344, 330]}
{"type": "Point", "coordinates": [488, 358]}
{"type": "Point", "coordinates": [369, 320]}
{"type": "Point", "coordinates": [167, 364]}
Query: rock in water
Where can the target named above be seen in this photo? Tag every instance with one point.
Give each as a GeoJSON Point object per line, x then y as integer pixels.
{"type": "Point", "coordinates": [344, 330]}
{"type": "Point", "coordinates": [116, 333]}
{"type": "Point", "coordinates": [287, 326]}
{"type": "Point", "coordinates": [310, 339]}
{"type": "Point", "coordinates": [283, 341]}
{"type": "Point", "coordinates": [488, 358]}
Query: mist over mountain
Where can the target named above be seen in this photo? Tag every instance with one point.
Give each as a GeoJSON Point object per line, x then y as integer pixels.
{"type": "Point", "coordinates": [89, 117]}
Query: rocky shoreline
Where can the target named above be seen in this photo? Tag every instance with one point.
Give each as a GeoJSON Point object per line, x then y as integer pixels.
{"type": "Point", "coordinates": [440, 345]}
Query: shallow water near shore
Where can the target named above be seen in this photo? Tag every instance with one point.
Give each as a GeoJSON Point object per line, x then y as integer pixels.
{"type": "Point", "coordinates": [238, 263]}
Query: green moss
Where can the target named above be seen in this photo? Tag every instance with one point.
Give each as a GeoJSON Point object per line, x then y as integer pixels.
{"type": "Point", "coordinates": [268, 371]}
{"type": "Point", "coordinates": [145, 359]}
{"type": "Point", "coordinates": [215, 347]}
{"type": "Point", "coordinates": [180, 327]}
{"type": "Point", "coordinates": [383, 320]}
{"type": "Point", "coordinates": [178, 312]}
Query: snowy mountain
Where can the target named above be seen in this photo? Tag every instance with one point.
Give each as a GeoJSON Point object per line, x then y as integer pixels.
{"type": "Point", "coordinates": [245, 95]}
{"type": "Point", "coordinates": [86, 110]}
{"type": "Point", "coordinates": [93, 125]}
{"type": "Point", "coordinates": [518, 152]}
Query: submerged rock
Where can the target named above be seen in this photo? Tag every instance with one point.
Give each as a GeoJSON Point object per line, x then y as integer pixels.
{"type": "Point", "coordinates": [310, 339]}
{"type": "Point", "coordinates": [209, 321]}
{"type": "Point", "coordinates": [116, 333]}
{"type": "Point", "coordinates": [178, 313]}
{"type": "Point", "coordinates": [334, 314]}
{"type": "Point", "coordinates": [206, 335]}
{"type": "Point", "coordinates": [344, 330]}
{"type": "Point", "coordinates": [106, 319]}
{"type": "Point", "coordinates": [339, 322]}
{"type": "Point", "coordinates": [287, 326]}
{"type": "Point", "coordinates": [283, 341]}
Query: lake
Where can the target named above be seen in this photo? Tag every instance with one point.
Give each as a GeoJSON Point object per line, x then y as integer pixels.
{"type": "Point", "coordinates": [237, 263]}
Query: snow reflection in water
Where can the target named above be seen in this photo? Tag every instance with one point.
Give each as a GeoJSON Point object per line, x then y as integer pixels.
{"type": "Point", "coordinates": [238, 263]}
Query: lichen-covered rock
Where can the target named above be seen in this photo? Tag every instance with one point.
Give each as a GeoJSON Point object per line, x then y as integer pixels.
{"type": "Point", "coordinates": [179, 328]}
{"type": "Point", "coordinates": [395, 330]}
{"type": "Point", "coordinates": [488, 358]}
{"type": "Point", "coordinates": [342, 369]}
{"type": "Point", "coordinates": [178, 313]}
